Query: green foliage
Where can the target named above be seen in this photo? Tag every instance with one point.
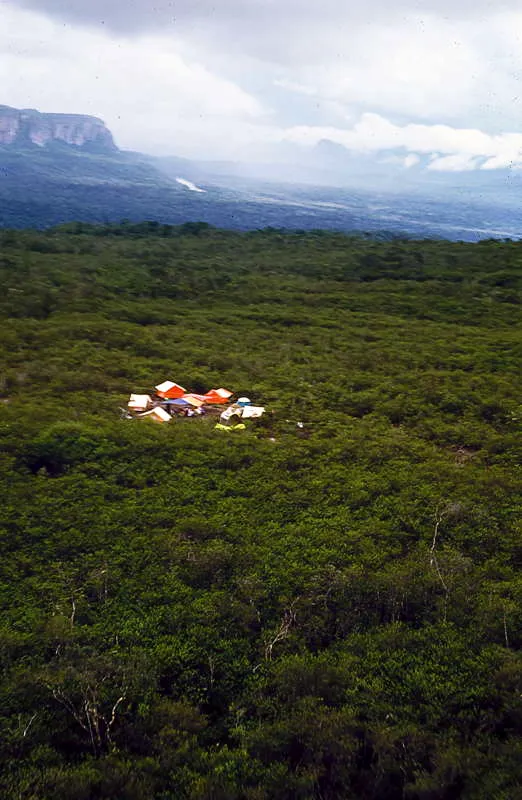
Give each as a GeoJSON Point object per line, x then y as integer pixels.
{"type": "Point", "coordinates": [330, 609]}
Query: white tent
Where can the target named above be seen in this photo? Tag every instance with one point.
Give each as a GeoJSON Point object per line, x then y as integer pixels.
{"type": "Point", "coordinates": [139, 402]}
{"type": "Point", "coordinates": [158, 414]}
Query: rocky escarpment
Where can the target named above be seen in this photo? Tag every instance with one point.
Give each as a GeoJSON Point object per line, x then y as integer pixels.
{"type": "Point", "coordinates": [27, 126]}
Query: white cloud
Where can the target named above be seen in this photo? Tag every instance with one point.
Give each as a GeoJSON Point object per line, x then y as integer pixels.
{"type": "Point", "coordinates": [148, 93]}
{"type": "Point", "coordinates": [458, 162]}
{"type": "Point", "coordinates": [298, 88]}
{"type": "Point", "coordinates": [411, 160]}
{"type": "Point", "coordinates": [424, 67]}
{"type": "Point", "coordinates": [231, 80]}
{"type": "Point", "coordinates": [455, 148]}
{"type": "Point", "coordinates": [427, 67]}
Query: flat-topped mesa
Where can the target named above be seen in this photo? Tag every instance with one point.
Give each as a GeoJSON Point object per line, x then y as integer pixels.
{"type": "Point", "coordinates": [24, 126]}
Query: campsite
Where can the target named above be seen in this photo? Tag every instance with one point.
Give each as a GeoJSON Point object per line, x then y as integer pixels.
{"type": "Point", "coordinates": [169, 401]}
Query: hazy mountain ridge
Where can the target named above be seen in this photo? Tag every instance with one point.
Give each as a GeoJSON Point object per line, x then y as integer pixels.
{"type": "Point", "coordinates": [331, 165]}
{"type": "Point", "coordinates": [62, 181]}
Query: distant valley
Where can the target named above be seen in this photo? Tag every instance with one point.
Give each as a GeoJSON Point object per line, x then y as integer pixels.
{"type": "Point", "coordinates": [58, 168]}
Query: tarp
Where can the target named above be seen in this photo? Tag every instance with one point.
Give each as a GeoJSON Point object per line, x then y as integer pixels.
{"type": "Point", "coordinates": [201, 397]}
{"type": "Point", "coordinates": [228, 428]}
{"type": "Point", "coordinates": [139, 402]}
{"type": "Point", "coordinates": [181, 402]}
{"type": "Point", "coordinates": [245, 412]}
{"type": "Point", "coordinates": [193, 400]}
{"type": "Point", "coordinates": [248, 412]}
{"type": "Point", "coordinates": [170, 390]}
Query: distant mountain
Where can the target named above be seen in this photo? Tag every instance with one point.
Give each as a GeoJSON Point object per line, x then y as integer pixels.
{"type": "Point", "coordinates": [19, 127]}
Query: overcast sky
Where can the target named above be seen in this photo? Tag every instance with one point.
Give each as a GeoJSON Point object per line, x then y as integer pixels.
{"type": "Point", "coordinates": [251, 79]}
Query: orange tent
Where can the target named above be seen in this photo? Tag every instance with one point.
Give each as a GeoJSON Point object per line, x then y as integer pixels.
{"type": "Point", "coordinates": [169, 390]}
{"type": "Point", "coordinates": [217, 396]}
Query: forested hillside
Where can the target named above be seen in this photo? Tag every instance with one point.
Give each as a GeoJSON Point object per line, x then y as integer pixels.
{"type": "Point", "coordinates": [328, 611]}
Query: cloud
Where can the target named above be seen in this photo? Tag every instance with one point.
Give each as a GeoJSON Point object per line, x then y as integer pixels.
{"type": "Point", "coordinates": [458, 162]}
{"type": "Point", "coordinates": [456, 149]}
{"type": "Point", "coordinates": [298, 88]}
{"type": "Point", "coordinates": [151, 96]}
{"type": "Point", "coordinates": [411, 160]}
{"type": "Point", "coordinates": [236, 78]}
{"type": "Point", "coordinates": [428, 68]}
{"type": "Point", "coordinates": [262, 17]}
{"type": "Point", "coordinates": [419, 67]}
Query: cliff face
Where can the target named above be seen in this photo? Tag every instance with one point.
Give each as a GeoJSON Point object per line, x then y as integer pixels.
{"type": "Point", "coordinates": [29, 126]}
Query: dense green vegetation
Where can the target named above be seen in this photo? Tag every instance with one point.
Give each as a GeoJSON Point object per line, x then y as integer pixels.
{"type": "Point", "coordinates": [330, 611]}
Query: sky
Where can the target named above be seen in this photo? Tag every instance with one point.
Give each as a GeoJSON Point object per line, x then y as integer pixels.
{"type": "Point", "coordinates": [433, 81]}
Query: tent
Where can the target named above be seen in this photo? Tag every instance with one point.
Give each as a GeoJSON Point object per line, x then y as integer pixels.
{"type": "Point", "coordinates": [215, 396]}
{"type": "Point", "coordinates": [139, 402]}
{"type": "Point", "coordinates": [157, 414]}
{"type": "Point", "coordinates": [169, 390]}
